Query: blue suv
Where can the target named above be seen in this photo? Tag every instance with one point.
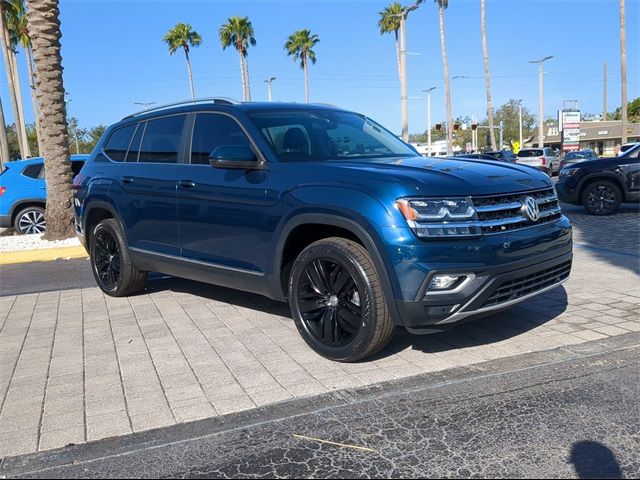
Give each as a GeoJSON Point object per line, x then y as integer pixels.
{"type": "Point", "coordinates": [23, 194]}
{"type": "Point", "coordinates": [320, 207]}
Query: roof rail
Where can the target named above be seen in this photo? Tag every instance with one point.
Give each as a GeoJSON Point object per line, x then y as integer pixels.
{"type": "Point", "coordinates": [218, 100]}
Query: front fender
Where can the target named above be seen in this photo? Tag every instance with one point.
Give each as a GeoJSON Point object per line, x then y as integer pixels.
{"type": "Point", "coordinates": [612, 176]}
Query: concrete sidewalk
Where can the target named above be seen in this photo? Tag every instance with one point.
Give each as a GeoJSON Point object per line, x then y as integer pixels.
{"type": "Point", "coordinates": [78, 366]}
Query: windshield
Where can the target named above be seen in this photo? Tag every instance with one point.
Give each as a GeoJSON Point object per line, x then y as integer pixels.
{"type": "Point", "coordinates": [317, 135]}
{"type": "Point", "coordinates": [530, 153]}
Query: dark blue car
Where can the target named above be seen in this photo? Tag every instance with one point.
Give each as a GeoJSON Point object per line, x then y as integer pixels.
{"type": "Point", "coordinates": [23, 194]}
{"type": "Point", "coordinates": [320, 207]}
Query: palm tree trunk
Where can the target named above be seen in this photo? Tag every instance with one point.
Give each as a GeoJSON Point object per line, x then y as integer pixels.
{"type": "Point", "coordinates": [246, 76]}
{"type": "Point", "coordinates": [44, 30]}
{"type": "Point", "coordinates": [6, 55]}
{"type": "Point", "coordinates": [242, 74]}
{"type": "Point", "coordinates": [487, 77]}
{"type": "Point", "coordinates": [4, 142]}
{"type": "Point", "coordinates": [447, 87]}
{"type": "Point", "coordinates": [623, 70]}
{"type": "Point", "coordinates": [306, 79]}
{"type": "Point", "coordinates": [16, 82]}
{"type": "Point", "coordinates": [190, 73]}
{"type": "Point", "coordinates": [34, 100]}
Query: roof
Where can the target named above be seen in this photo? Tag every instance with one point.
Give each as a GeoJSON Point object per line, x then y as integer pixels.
{"type": "Point", "coordinates": [29, 161]}
{"type": "Point", "coordinates": [591, 131]}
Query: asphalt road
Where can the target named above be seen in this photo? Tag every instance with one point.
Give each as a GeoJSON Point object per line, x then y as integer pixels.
{"type": "Point", "coordinates": [571, 412]}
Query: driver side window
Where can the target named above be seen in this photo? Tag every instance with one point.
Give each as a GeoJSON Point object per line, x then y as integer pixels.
{"type": "Point", "coordinates": [213, 130]}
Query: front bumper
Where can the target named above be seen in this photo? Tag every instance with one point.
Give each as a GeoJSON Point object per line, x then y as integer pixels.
{"type": "Point", "coordinates": [568, 192]}
{"type": "Point", "coordinates": [493, 289]}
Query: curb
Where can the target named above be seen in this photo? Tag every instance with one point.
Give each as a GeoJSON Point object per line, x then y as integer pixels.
{"type": "Point", "coordinates": [42, 255]}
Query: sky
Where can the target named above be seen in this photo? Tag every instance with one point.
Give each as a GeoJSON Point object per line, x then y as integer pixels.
{"type": "Point", "coordinates": [114, 56]}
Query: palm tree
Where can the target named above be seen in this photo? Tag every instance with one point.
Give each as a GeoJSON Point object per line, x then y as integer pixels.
{"type": "Point", "coordinates": [44, 30]}
{"type": "Point", "coordinates": [20, 36]}
{"type": "Point", "coordinates": [623, 70]}
{"type": "Point", "coordinates": [487, 77]}
{"type": "Point", "coordinates": [7, 14]}
{"type": "Point", "coordinates": [183, 36]}
{"type": "Point", "coordinates": [4, 141]}
{"type": "Point", "coordinates": [300, 45]}
{"type": "Point", "coordinates": [238, 32]}
{"type": "Point", "coordinates": [389, 21]}
{"type": "Point", "coordinates": [442, 4]}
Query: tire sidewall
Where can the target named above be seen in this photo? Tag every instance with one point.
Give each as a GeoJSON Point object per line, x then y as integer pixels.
{"type": "Point", "coordinates": [113, 230]}
{"type": "Point", "coordinates": [21, 213]}
{"type": "Point", "coordinates": [596, 184]}
{"type": "Point", "coordinates": [332, 252]}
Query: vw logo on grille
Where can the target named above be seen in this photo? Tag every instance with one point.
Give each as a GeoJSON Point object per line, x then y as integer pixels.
{"type": "Point", "coordinates": [530, 209]}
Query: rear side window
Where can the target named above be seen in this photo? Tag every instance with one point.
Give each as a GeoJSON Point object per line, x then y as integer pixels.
{"type": "Point", "coordinates": [161, 140]}
{"type": "Point", "coordinates": [211, 131]}
{"type": "Point", "coordinates": [33, 171]}
{"type": "Point", "coordinates": [76, 167]}
{"type": "Point", "coordinates": [118, 143]}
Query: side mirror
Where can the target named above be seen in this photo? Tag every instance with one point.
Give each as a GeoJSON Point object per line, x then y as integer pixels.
{"type": "Point", "coordinates": [234, 157]}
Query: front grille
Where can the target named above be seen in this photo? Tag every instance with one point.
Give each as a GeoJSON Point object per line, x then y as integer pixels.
{"type": "Point", "coordinates": [522, 286]}
{"type": "Point", "coordinates": [501, 213]}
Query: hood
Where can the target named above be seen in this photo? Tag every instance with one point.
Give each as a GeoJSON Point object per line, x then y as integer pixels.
{"type": "Point", "coordinates": [447, 176]}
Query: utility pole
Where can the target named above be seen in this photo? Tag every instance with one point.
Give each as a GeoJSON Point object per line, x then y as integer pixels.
{"type": "Point", "coordinates": [520, 122]}
{"type": "Point", "coordinates": [403, 68]}
{"type": "Point", "coordinates": [604, 94]}
{"type": "Point", "coordinates": [268, 82]}
{"type": "Point", "coordinates": [428, 92]}
{"type": "Point", "coordinates": [540, 101]}
{"type": "Point", "coordinates": [623, 70]}
{"type": "Point", "coordinates": [501, 135]}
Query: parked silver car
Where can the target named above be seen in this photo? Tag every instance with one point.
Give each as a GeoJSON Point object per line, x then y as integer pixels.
{"type": "Point", "coordinates": [544, 159]}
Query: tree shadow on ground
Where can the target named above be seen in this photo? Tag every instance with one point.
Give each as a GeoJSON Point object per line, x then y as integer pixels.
{"type": "Point", "coordinates": [594, 460]}
{"type": "Point", "coordinates": [490, 329]}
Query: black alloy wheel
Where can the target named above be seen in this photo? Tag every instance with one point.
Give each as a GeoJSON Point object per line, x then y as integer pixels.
{"type": "Point", "coordinates": [107, 259]}
{"type": "Point", "coordinates": [602, 198]}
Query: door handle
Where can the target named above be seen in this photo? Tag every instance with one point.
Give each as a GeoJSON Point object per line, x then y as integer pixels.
{"type": "Point", "coordinates": [186, 183]}
{"type": "Point", "coordinates": [127, 179]}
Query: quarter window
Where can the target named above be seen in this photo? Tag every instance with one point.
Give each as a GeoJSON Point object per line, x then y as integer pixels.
{"type": "Point", "coordinates": [211, 131]}
{"type": "Point", "coordinates": [118, 143]}
{"type": "Point", "coordinates": [161, 140]}
{"type": "Point", "coordinates": [33, 171]}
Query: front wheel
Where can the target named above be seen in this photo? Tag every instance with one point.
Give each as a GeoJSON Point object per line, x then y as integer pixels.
{"type": "Point", "coordinates": [337, 301]}
{"type": "Point", "coordinates": [112, 268]}
{"type": "Point", "coordinates": [602, 198]}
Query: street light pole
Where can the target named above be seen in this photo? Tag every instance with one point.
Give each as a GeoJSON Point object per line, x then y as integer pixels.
{"type": "Point", "coordinates": [268, 82]}
{"type": "Point", "coordinates": [520, 121]}
{"type": "Point", "coordinates": [428, 92]}
{"type": "Point", "coordinates": [403, 68]}
{"type": "Point", "coordinates": [540, 101]}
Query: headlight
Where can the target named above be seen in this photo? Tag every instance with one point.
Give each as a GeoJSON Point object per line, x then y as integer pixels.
{"type": "Point", "coordinates": [446, 217]}
{"type": "Point", "coordinates": [568, 172]}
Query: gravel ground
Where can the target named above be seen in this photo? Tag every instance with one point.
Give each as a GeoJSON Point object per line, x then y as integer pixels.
{"type": "Point", "coordinates": [14, 243]}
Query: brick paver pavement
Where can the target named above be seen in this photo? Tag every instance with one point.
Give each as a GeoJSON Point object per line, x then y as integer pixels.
{"type": "Point", "coordinates": [76, 365]}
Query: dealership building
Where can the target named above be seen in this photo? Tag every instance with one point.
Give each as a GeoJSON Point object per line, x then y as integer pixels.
{"type": "Point", "coordinates": [604, 137]}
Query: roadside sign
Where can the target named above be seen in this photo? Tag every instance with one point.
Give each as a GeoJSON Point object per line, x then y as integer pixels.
{"type": "Point", "coordinates": [570, 130]}
{"type": "Point", "coordinates": [515, 146]}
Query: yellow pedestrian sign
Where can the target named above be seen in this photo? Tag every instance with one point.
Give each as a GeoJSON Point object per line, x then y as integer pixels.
{"type": "Point", "coordinates": [515, 146]}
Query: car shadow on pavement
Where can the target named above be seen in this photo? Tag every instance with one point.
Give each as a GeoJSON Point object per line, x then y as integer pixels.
{"type": "Point", "coordinates": [594, 460]}
{"type": "Point", "coordinates": [614, 238]}
{"type": "Point", "coordinates": [481, 331]}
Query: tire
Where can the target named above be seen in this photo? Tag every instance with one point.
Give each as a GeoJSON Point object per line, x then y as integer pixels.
{"type": "Point", "coordinates": [601, 197]}
{"type": "Point", "coordinates": [30, 220]}
{"type": "Point", "coordinates": [111, 264]}
{"type": "Point", "coordinates": [337, 302]}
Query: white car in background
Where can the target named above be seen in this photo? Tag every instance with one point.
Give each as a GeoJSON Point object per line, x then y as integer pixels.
{"type": "Point", "coordinates": [543, 159]}
{"type": "Point", "coordinates": [626, 147]}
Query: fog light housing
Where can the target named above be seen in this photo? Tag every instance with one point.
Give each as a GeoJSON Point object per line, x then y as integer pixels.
{"type": "Point", "coordinates": [449, 282]}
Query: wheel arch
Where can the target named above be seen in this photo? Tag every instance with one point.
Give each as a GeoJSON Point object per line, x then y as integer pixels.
{"type": "Point", "coordinates": [608, 176]}
{"type": "Point", "coordinates": [26, 203]}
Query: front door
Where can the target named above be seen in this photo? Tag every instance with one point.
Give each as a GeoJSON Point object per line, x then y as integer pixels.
{"type": "Point", "coordinates": [222, 213]}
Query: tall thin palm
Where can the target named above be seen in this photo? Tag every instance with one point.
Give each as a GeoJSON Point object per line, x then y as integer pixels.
{"type": "Point", "coordinates": [238, 32]}
{"type": "Point", "coordinates": [183, 36]}
{"type": "Point", "coordinates": [389, 22]}
{"type": "Point", "coordinates": [300, 45]}
{"type": "Point", "coordinates": [623, 69]}
{"type": "Point", "coordinates": [20, 36]}
{"type": "Point", "coordinates": [7, 21]}
{"type": "Point", "coordinates": [4, 141]}
{"type": "Point", "coordinates": [44, 31]}
{"type": "Point", "coordinates": [487, 77]}
{"type": "Point", "coordinates": [442, 5]}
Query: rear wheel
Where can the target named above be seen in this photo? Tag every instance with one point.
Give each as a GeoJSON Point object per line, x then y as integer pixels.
{"type": "Point", "coordinates": [30, 220]}
{"type": "Point", "coordinates": [602, 197]}
{"type": "Point", "coordinates": [337, 301]}
{"type": "Point", "coordinates": [112, 268]}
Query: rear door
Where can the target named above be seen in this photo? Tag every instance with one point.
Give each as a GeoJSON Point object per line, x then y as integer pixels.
{"type": "Point", "coordinates": [222, 213]}
{"type": "Point", "coordinates": [630, 165]}
{"type": "Point", "coordinates": [145, 189]}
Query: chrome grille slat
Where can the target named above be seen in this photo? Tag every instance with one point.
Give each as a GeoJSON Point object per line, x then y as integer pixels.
{"type": "Point", "coordinates": [501, 213]}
